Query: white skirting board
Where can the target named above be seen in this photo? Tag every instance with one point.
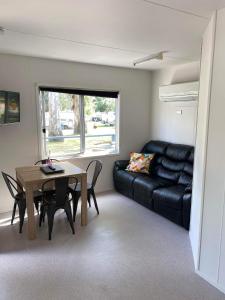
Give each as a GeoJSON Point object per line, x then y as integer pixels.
{"type": "Point", "coordinates": [213, 283]}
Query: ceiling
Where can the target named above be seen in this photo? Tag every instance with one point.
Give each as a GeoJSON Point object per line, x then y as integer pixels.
{"type": "Point", "coordinates": [107, 32]}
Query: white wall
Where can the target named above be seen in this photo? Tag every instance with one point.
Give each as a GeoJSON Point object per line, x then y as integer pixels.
{"type": "Point", "coordinates": [212, 252]}
{"type": "Point", "coordinates": [201, 138]}
{"type": "Point", "coordinates": [208, 207]}
{"type": "Point", "coordinates": [19, 143]}
{"type": "Point", "coordinates": [166, 122]}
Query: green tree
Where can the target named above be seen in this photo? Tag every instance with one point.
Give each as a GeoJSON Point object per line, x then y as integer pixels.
{"type": "Point", "coordinates": [89, 106]}
{"type": "Point", "coordinates": [54, 114]}
{"type": "Point", "coordinates": [104, 104]}
{"type": "Point", "coordinates": [44, 96]}
{"type": "Point", "coordinates": [76, 111]}
{"type": "Point", "coordinates": [65, 101]}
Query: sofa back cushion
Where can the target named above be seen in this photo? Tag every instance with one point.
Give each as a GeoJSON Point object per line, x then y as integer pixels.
{"type": "Point", "coordinates": [178, 152]}
{"type": "Point", "coordinates": [157, 147]}
{"type": "Point", "coordinates": [167, 174]}
{"type": "Point", "coordinates": [191, 156]}
{"type": "Point", "coordinates": [171, 161]}
{"type": "Point", "coordinates": [172, 165]}
{"type": "Point", "coordinates": [185, 179]}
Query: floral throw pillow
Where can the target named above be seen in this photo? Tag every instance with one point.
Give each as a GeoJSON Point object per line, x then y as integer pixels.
{"type": "Point", "coordinates": [139, 162]}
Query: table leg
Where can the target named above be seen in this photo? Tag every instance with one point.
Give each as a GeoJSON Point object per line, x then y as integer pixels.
{"type": "Point", "coordinates": [84, 218]}
{"type": "Point", "coordinates": [30, 213]}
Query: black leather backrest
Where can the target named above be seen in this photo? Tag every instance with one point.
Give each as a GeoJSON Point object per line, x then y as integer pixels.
{"type": "Point", "coordinates": [188, 168]}
{"type": "Point", "coordinates": [185, 179]}
{"type": "Point", "coordinates": [167, 174]}
{"type": "Point", "coordinates": [191, 156]}
{"type": "Point", "coordinates": [157, 147]}
{"type": "Point", "coordinates": [178, 152]}
{"type": "Point", "coordinates": [172, 165]}
{"type": "Point", "coordinates": [172, 161]}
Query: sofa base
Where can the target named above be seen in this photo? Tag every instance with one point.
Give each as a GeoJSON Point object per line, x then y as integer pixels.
{"type": "Point", "coordinates": [169, 213]}
{"type": "Point", "coordinates": [144, 203]}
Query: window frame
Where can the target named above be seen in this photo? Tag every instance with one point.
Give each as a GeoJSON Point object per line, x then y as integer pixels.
{"type": "Point", "coordinates": [40, 118]}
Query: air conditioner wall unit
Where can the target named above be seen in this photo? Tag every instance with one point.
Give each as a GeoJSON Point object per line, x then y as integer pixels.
{"type": "Point", "coordinates": [187, 91]}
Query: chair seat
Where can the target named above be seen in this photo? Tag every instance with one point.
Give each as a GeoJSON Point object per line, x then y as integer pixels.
{"type": "Point", "coordinates": [78, 187]}
{"type": "Point", "coordinates": [50, 199]}
{"type": "Point", "coordinates": [37, 194]}
{"type": "Point", "coordinates": [22, 196]}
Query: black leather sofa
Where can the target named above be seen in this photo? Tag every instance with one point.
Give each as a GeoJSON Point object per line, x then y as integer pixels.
{"type": "Point", "coordinates": [167, 189]}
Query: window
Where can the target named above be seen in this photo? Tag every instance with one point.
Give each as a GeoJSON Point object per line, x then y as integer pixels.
{"type": "Point", "coordinates": [79, 122]}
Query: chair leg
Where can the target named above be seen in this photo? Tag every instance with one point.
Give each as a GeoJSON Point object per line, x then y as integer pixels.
{"type": "Point", "coordinates": [13, 212]}
{"type": "Point", "coordinates": [50, 213]}
{"type": "Point", "coordinates": [89, 198]}
{"type": "Point", "coordinates": [69, 215]}
{"type": "Point", "coordinates": [42, 213]}
{"type": "Point", "coordinates": [75, 204]}
{"type": "Point", "coordinates": [22, 209]}
{"type": "Point", "coordinates": [36, 204]}
{"type": "Point", "coordinates": [95, 201]}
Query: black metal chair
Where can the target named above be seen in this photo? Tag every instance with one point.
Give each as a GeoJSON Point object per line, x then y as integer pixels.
{"type": "Point", "coordinates": [76, 191]}
{"type": "Point", "coordinates": [19, 197]}
{"type": "Point", "coordinates": [44, 161]}
{"type": "Point", "coordinates": [52, 200]}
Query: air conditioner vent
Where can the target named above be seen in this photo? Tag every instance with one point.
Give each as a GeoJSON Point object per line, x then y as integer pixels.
{"type": "Point", "coordinates": [187, 91]}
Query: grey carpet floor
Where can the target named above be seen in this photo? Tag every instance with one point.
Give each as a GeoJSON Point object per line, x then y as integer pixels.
{"type": "Point", "coordinates": [127, 252]}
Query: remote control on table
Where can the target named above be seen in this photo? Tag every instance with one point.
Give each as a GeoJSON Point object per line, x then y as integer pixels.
{"type": "Point", "coordinates": [51, 168]}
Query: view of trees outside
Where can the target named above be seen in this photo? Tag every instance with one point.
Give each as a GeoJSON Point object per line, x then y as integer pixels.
{"type": "Point", "coordinates": [76, 111]}
{"type": "Point", "coordinates": [63, 123]}
{"type": "Point", "coordinates": [54, 128]}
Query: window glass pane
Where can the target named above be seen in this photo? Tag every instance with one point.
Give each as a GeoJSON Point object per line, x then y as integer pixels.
{"type": "Point", "coordinates": [62, 123]}
{"type": "Point", "coordinates": [2, 107]}
{"type": "Point", "coordinates": [100, 124]}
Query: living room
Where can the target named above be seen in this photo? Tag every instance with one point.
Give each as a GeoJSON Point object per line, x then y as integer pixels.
{"type": "Point", "coordinates": [109, 65]}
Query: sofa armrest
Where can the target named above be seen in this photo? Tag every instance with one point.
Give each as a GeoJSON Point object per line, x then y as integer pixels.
{"type": "Point", "coordinates": [186, 209]}
{"type": "Point", "coordinates": [121, 164]}
{"type": "Point", "coordinates": [188, 189]}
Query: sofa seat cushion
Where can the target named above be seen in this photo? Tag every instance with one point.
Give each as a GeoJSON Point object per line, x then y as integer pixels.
{"type": "Point", "coordinates": [144, 186]}
{"type": "Point", "coordinates": [124, 182]}
{"type": "Point", "coordinates": [171, 197]}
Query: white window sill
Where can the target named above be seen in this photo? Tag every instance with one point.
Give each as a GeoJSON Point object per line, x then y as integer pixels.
{"type": "Point", "coordinates": [86, 155]}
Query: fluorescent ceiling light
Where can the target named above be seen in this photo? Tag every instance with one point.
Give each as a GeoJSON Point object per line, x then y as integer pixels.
{"type": "Point", "coordinates": [158, 56]}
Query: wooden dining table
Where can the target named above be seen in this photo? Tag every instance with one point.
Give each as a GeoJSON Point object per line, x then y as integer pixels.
{"type": "Point", "coordinates": [31, 179]}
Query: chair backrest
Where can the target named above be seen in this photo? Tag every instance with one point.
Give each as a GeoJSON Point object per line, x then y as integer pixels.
{"type": "Point", "coordinates": [44, 161]}
{"type": "Point", "coordinates": [61, 190]}
{"type": "Point", "coordinates": [97, 165]}
{"type": "Point", "coordinates": [13, 185]}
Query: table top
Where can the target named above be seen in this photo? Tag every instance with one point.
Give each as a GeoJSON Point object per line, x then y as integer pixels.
{"type": "Point", "coordinates": [32, 174]}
